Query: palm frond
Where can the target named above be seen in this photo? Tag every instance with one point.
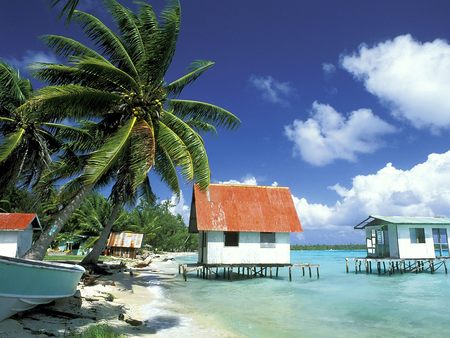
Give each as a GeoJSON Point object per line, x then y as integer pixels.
{"type": "Point", "coordinates": [76, 101]}
{"type": "Point", "coordinates": [66, 47]}
{"type": "Point", "coordinates": [161, 49]}
{"type": "Point", "coordinates": [201, 126]}
{"type": "Point", "coordinates": [167, 171]}
{"type": "Point", "coordinates": [197, 68]}
{"type": "Point", "coordinates": [107, 72]}
{"type": "Point", "coordinates": [176, 149]}
{"type": "Point", "coordinates": [101, 160]}
{"type": "Point", "coordinates": [205, 112]}
{"type": "Point", "coordinates": [107, 40]}
{"type": "Point", "coordinates": [11, 86]}
{"type": "Point", "coordinates": [128, 25]}
{"type": "Point", "coordinates": [10, 143]}
{"type": "Point", "coordinates": [146, 192]}
{"type": "Point", "coordinates": [68, 9]}
{"type": "Point", "coordinates": [195, 146]}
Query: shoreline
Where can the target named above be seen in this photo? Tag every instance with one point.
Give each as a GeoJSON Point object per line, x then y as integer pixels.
{"type": "Point", "coordinates": [136, 304]}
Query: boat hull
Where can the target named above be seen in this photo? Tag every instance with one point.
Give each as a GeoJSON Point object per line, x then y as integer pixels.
{"type": "Point", "coordinates": [26, 283]}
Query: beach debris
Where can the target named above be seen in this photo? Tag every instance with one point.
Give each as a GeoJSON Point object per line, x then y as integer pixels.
{"type": "Point", "coordinates": [127, 319]}
{"type": "Point", "coordinates": [144, 263]}
{"type": "Point", "coordinates": [90, 280]}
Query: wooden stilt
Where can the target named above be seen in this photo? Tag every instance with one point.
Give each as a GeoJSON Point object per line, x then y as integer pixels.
{"type": "Point", "coordinates": [346, 265]}
{"type": "Point", "coordinates": [309, 267]}
{"type": "Point", "coordinates": [290, 273]}
{"type": "Point", "coordinates": [317, 272]}
{"type": "Point", "coordinates": [379, 268]}
{"type": "Point", "coordinates": [270, 269]}
{"type": "Point", "coordinates": [185, 273]}
{"type": "Point", "coordinates": [303, 271]}
{"type": "Point", "coordinates": [445, 266]}
{"type": "Point", "coordinates": [276, 272]}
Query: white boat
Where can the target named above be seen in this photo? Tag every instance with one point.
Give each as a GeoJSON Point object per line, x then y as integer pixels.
{"type": "Point", "coordinates": [26, 283]}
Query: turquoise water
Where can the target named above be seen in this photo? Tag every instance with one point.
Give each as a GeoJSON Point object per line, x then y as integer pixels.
{"type": "Point", "coordinates": [336, 305]}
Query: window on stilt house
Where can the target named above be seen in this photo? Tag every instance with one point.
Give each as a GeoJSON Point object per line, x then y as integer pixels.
{"type": "Point", "coordinates": [231, 238]}
{"type": "Point", "coordinates": [267, 239]}
{"type": "Point", "coordinates": [417, 235]}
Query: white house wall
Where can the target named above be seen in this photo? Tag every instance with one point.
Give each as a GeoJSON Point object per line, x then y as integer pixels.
{"type": "Point", "coordinates": [8, 243]}
{"type": "Point", "coordinates": [24, 242]}
{"type": "Point", "coordinates": [417, 250]}
{"type": "Point", "coordinates": [249, 250]}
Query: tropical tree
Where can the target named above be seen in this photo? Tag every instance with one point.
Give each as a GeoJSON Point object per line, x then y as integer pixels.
{"type": "Point", "coordinates": [142, 121]}
{"type": "Point", "coordinates": [68, 8]}
{"type": "Point", "coordinates": [28, 137]}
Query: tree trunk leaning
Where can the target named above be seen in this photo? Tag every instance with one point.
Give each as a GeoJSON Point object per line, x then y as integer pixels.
{"type": "Point", "coordinates": [39, 248]}
{"type": "Point", "coordinates": [93, 256]}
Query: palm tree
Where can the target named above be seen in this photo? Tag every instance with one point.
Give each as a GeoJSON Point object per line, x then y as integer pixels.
{"type": "Point", "coordinates": [68, 7]}
{"type": "Point", "coordinates": [142, 121]}
{"type": "Point", "coordinates": [28, 137]}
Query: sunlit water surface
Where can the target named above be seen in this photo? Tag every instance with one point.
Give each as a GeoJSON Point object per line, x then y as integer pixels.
{"type": "Point", "coordinates": [336, 305]}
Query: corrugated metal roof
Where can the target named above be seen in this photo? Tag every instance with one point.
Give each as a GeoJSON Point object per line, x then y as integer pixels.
{"type": "Point", "coordinates": [17, 221]}
{"type": "Point", "coordinates": [125, 240]}
{"type": "Point", "coordinates": [243, 208]}
{"type": "Point", "coordinates": [373, 219]}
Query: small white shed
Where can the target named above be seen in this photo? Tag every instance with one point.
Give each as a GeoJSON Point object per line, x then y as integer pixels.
{"type": "Point", "coordinates": [16, 233]}
{"type": "Point", "coordinates": [406, 237]}
{"type": "Point", "coordinates": [240, 224]}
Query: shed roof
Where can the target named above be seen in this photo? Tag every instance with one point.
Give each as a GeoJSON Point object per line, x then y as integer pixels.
{"type": "Point", "coordinates": [18, 221]}
{"type": "Point", "coordinates": [373, 220]}
{"type": "Point", "coordinates": [243, 208]}
{"type": "Point", "coordinates": [125, 240]}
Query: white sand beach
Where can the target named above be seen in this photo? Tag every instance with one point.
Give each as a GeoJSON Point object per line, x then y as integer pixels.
{"type": "Point", "coordinates": [136, 304]}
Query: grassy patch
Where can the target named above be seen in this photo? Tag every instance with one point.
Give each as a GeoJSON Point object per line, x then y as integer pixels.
{"type": "Point", "coordinates": [71, 258]}
{"type": "Point", "coordinates": [99, 331]}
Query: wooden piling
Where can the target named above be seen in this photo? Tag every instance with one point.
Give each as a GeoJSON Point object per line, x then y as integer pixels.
{"type": "Point", "coordinates": [276, 272]}
{"type": "Point", "coordinates": [346, 265]}
{"type": "Point", "coordinates": [290, 274]}
{"type": "Point", "coordinates": [317, 272]}
{"type": "Point", "coordinates": [309, 267]}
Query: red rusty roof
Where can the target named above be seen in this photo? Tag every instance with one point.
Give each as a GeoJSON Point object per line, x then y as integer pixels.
{"type": "Point", "coordinates": [18, 222]}
{"type": "Point", "coordinates": [243, 208]}
{"type": "Point", "coordinates": [125, 240]}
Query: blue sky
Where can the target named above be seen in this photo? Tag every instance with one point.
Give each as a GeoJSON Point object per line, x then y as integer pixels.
{"type": "Point", "coordinates": [342, 101]}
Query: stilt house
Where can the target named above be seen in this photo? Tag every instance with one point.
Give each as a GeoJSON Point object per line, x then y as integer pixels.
{"type": "Point", "coordinates": [406, 237]}
{"type": "Point", "coordinates": [16, 233]}
{"type": "Point", "coordinates": [240, 224]}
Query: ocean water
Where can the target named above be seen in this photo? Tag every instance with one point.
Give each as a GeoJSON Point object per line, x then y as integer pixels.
{"type": "Point", "coordinates": [336, 305]}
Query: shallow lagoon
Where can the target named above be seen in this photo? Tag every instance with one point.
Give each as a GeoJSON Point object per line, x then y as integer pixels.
{"type": "Point", "coordinates": [336, 305]}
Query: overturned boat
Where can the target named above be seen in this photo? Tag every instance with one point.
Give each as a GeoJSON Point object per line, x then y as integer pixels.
{"type": "Point", "coordinates": [26, 283]}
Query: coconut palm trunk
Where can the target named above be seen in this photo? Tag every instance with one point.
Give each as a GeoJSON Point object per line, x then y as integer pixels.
{"type": "Point", "coordinates": [93, 256]}
{"type": "Point", "coordinates": [41, 245]}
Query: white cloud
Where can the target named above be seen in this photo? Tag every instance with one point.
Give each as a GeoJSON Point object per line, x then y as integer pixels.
{"type": "Point", "coordinates": [272, 90]}
{"type": "Point", "coordinates": [328, 68]}
{"type": "Point", "coordinates": [411, 77]}
{"type": "Point", "coordinates": [328, 135]}
{"type": "Point", "coordinates": [178, 207]}
{"type": "Point", "coordinates": [423, 190]}
{"type": "Point", "coordinates": [246, 180]}
{"type": "Point", "coordinates": [32, 56]}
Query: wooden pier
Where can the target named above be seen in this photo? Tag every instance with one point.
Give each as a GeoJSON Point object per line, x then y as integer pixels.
{"type": "Point", "coordinates": [389, 266]}
{"type": "Point", "coordinates": [244, 271]}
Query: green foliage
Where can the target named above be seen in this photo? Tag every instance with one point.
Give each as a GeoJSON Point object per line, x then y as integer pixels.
{"type": "Point", "coordinates": [329, 247]}
{"type": "Point", "coordinates": [99, 331]}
